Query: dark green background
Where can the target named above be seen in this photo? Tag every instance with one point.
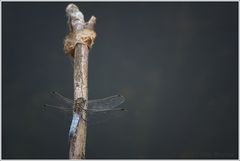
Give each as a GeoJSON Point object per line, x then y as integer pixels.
{"type": "Point", "coordinates": [176, 64]}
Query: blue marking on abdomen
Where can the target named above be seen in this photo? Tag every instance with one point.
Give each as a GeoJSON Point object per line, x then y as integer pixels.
{"type": "Point", "coordinates": [74, 125]}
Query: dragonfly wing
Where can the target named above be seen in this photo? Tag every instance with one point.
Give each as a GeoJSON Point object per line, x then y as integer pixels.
{"type": "Point", "coordinates": [105, 104]}
{"type": "Point", "coordinates": [58, 107]}
{"type": "Point", "coordinates": [96, 118]}
{"type": "Point", "coordinates": [65, 102]}
{"type": "Point", "coordinates": [74, 124]}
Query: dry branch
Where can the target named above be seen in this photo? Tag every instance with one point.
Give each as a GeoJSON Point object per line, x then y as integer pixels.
{"type": "Point", "coordinates": [77, 44]}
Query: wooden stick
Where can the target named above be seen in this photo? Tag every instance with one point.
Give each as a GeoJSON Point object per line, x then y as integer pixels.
{"type": "Point", "coordinates": [81, 52]}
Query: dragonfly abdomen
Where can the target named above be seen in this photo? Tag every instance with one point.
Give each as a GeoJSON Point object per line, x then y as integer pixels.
{"type": "Point", "coordinates": [74, 124]}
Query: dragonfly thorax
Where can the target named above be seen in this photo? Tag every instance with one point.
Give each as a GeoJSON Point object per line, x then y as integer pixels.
{"type": "Point", "coordinates": [79, 105]}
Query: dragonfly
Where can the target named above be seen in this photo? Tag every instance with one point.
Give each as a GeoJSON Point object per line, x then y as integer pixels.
{"type": "Point", "coordinates": [104, 105]}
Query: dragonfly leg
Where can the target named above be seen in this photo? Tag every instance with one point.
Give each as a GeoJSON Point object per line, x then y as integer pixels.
{"type": "Point", "coordinates": [84, 110]}
{"type": "Point", "coordinates": [83, 119]}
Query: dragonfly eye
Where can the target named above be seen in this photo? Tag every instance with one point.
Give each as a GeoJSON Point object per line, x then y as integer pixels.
{"type": "Point", "coordinates": [82, 100]}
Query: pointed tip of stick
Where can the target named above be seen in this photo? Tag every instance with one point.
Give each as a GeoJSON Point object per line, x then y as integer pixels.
{"type": "Point", "coordinates": [92, 19]}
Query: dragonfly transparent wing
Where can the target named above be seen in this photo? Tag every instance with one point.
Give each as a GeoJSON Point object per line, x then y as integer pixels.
{"type": "Point", "coordinates": [63, 101]}
{"type": "Point", "coordinates": [99, 110]}
{"type": "Point", "coordinates": [106, 104]}
{"type": "Point", "coordinates": [102, 110]}
{"type": "Point", "coordinates": [58, 107]}
{"type": "Point", "coordinates": [97, 105]}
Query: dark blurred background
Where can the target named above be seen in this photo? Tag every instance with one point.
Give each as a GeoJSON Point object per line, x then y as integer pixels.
{"type": "Point", "coordinates": [176, 64]}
